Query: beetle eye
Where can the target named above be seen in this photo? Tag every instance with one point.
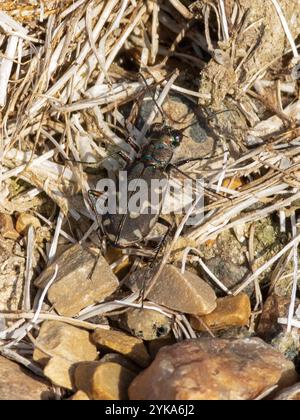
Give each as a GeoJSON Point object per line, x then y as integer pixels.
{"type": "Point", "coordinates": [177, 137]}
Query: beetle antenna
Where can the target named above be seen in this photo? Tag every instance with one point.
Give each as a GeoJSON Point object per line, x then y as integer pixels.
{"type": "Point", "coordinates": [209, 119]}
{"type": "Point", "coordinates": [153, 98]}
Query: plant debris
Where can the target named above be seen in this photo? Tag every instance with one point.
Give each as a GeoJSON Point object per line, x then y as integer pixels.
{"type": "Point", "coordinates": [82, 84]}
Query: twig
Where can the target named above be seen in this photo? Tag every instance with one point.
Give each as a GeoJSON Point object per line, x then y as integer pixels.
{"type": "Point", "coordinates": [286, 28]}
{"type": "Point", "coordinates": [28, 270]}
{"type": "Point", "coordinates": [12, 355]}
{"type": "Point", "coordinates": [268, 264]}
{"type": "Point", "coordinates": [295, 275]}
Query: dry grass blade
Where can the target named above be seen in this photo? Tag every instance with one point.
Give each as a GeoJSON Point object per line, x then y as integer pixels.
{"type": "Point", "coordinates": [73, 109]}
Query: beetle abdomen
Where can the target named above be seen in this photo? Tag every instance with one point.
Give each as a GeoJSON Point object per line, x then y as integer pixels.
{"type": "Point", "coordinates": [145, 191]}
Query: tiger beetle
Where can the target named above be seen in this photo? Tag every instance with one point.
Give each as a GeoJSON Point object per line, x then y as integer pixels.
{"type": "Point", "coordinates": [130, 229]}
{"type": "Point", "coordinates": [126, 230]}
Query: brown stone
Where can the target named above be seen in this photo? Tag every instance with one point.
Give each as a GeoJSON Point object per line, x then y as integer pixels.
{"type": "Point", "coordinates": [289, 394]}
{"type": "Point", "coordinates": [146, 324]}
{"type": "Point", "coordinates": [17, 384]}
{"type": "Point", "coordinates": [66, 345]}
{"type": "Point", "coordinates": [103, 381]}
{"type": "Point", "coordinates": [60, 372]}
{"type": "Point", "coordinates": [24, 221]}
{"type": "Point", "coordinates": [73, 290]}
{"type": "Point", "coordinates": [7, 229]}
{"type": "Point", "coordinates": [213, 369]}
{"type": "Point", "coordinates": [186, 293]}
{"type": "Point", "coordinates": [155, 345]}
{"type": "Point", "coordinates": [231, 311]}
{"type": "Point", "coordinates": [122, 343]}
{"type": "Point", "coordinates": [275, 307]}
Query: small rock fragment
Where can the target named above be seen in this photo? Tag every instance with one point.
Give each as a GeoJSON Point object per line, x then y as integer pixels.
{"type": "Point", "coordinates": [15, 384]}
{"type": "Point", "coordinates": [60, 372]}
{"type": "Point", "coordinates": [288, 344]}
{"type": "Point", "coordinates": [66, 341]}
{"type": "Point", "coordinates": [275, 307]}
{"type": "Point", "coordinates": [289, 394]}
{"type": "Point", "coordinates": [24, 221]}
{"type": "Point", "coordinates": [213, 369]}
{"type": "Point", "coordinates": [73, 290]}
{"type": "Point", "coordinates": [231, 274]}
{"type": "Point", "coordinates": [103, 381]}
{"type": "Point", "coordinates": [80, 396]}
{"type": "Point", "coordinates": [186, 293]}
{"type": "Point", "coordinates": [67, 345]}
{"type": "Point", "coordinates": [122, 343]}
{"type": "Point", "coordinates": [7, 229]}
{"type": "Point", "coordinates": [231, 311]}
{"type": "Point", "coordinates": [146, 324]}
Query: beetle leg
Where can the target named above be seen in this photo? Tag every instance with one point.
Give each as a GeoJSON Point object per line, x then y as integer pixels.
{"type": "Point", "coordinates": [164, 238]}
{"type": "Point", "coordinates": [125, 157]}
{"type": "Point", "coordinates": [130, 140]}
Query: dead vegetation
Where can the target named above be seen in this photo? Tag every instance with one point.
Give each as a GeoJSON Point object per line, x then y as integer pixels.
{"type": "Point", "coordinates": [67, 69]}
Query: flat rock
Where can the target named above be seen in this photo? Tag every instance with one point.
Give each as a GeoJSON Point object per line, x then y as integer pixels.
{"type": "Point", "coordinates": [213, 369]}
{"type": "Point", "coordinates": [146, 324]}
{"type": "Point", "coordinates": [73, 290]}
{"type": "Point", "coordinates": [15, 384]}
{"type": "Point", "coordinates": [231, 311]}
{"type": "Point", "coordinates": [289, 394]}
{"type": "Point", "coordinates": [186, 293]}
{"type": "Point", "coordinates": [103, 381]}
{"type": "Point", "coordinates": [65, 345]}
{"type": "Point", "coordinates": [129, 346]}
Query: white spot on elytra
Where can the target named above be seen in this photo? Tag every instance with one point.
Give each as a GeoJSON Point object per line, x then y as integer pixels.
{"type": "Point", "coordinates": [138, 234]}
{"type": "Point", "coordinates": [134, 215]}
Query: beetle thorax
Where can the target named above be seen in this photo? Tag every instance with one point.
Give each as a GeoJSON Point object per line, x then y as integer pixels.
{"type": "Point", "coordinates": [158, 153]}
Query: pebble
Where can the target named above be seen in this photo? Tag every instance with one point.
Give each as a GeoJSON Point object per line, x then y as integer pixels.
{"type": "Point", "coordinates": [103, 381]}
{"type": "Point", "coordinates": [119, 342]}
{"type": "Point", "coordinates": [73, 290]}
{"type": "Point", "coordinates": [146, 324]}
{"type": "Point", "coordinates": [275, 307]}
{"type": "Point", "coordinates": [231, 311]}
{"type": "Point", "coordinates": [15, 384]}
{"type": "Point", "coordinates": [7, 229]}
{"type": "Point", "coordinates": [288, 344]}
{"type": "Point", "coordinates": [289, 394]}
{"type": "Point", "coordinates": [65, 345]}
{"type": "Point", "coordinates": [228, 272]}
{"type": "Point", "coordinates": [24, 221]}
{"type": "Point", "coordinates": [213, 369]}
{"type": "Point", "coordinates": [186, 293]}
{"type": "Point", "coordinates": [60, 372]}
